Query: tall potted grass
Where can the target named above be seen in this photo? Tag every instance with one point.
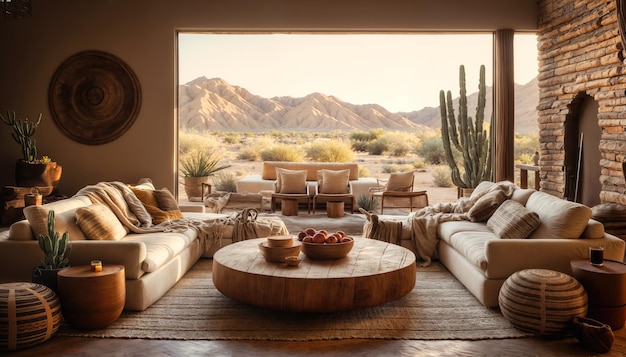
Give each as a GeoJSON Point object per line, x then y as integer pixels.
{"type": "Point", "coordinates": [196, 167]}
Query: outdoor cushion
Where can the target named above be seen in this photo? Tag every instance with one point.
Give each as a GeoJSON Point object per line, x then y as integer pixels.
{"type": "Point", "coordinates": [290, 181]}
{"type": "Point", "coordinates": [402, 181]}
{"type": "Point", "coordinates": [334, 181]}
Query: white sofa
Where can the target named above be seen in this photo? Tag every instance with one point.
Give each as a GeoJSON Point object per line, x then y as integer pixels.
{"type": "Point", "coordinates": [153, 262]}
{"type": "Point", "coordinates": [266, 180]}
{"type": "Point", "coordinates": [482, 260]}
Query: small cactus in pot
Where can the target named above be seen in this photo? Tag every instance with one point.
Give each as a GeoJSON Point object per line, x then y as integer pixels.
{"type": "Point", "coordinates": [56, 255]}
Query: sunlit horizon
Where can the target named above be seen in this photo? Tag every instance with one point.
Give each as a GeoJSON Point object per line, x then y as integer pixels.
{"type": "Point", "coordinates": [401, 72]}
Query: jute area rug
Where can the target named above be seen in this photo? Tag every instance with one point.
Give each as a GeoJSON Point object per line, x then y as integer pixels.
{"type": "Point", "coordinates": [438, 308]}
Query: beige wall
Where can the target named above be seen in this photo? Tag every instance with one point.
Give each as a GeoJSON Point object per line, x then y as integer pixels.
{"type": "Point", "coordinates": [143, 34]}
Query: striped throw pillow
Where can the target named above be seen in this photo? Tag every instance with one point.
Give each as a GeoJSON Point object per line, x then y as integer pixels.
{"type": "Point", "coordinates": [98, 222]}
{"type": "Point", "coordinates": [512, 220]}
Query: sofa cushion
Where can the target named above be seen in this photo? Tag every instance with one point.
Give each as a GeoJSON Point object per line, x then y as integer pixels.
{"type": "Point", "coordinates": [485, 206]}
{"type": "Point", "coordinates": [162, 247]}
{"type": "Point", "coordinates": [521, 195]}
{"type": "Point", "coordinates": [20, 230]}
{"type": "Point", "coordinates": [333, 181]}
{"type": "Point", "coordinates": [98, 222]}
{"type": "Point", "coordinates": [64, 217]}
{"type": "Point", "coordinates": [594, 230]}
{"type": "Point", "coordinates": [290, 181]}
{"type": "Point", "coordinates": [471, 244]}
{"type": "Point", "coordinates": [559, 218]}
{"type": "Point", "coordinates": [512, 220]}
{"type": "Point", "coordinates": [401, 181]}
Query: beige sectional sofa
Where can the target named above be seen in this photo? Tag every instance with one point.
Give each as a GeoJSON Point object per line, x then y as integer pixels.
{"type": "Point", "coordinates": [153, 261]}
{"type": "Point", "coordinates": [266, 180]}
{"type": "Point", "coordinates": [482, 260]}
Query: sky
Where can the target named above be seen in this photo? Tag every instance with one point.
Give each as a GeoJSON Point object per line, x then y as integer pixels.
{"type": "Point", "coordinates": [401, 72]}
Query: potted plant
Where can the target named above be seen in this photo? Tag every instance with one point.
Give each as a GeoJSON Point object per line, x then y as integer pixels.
{"type": "Point", "coordinates": [467, 136]}
{"type": "Point", "coordinates": [56, 255]}
{"type": "Point", "coordinates": [197, 167]}
{"type": "Point", "coordinates": [43, 173]}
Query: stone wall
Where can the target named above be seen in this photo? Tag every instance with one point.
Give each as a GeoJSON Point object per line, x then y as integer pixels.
{"type": "Point", "coordinates": [580, 53]}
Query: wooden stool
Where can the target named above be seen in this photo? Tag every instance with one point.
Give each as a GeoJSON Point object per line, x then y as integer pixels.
{"type": "Point", "coordinates": [289, 206]}
{"type": "Point", "coordinates": [29, 315]}
{"type": "Point", "coordinates": [334, 209]}
{"type": "Point", "coordinates": [92, 300]}
{"type": "Point", "coordinates": [606, 289]}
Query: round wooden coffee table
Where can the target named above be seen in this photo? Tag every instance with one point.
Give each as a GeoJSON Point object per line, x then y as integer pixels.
{"type": "Point", "coordinates": [92, 300]}
{"type": "Point", "coordinates": [372, 274]}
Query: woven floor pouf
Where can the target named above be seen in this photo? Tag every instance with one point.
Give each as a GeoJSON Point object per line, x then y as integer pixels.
{"type": "Point", "coordinates": [29, 315]}
{"type": "Point", "coordinates": [542, 301]}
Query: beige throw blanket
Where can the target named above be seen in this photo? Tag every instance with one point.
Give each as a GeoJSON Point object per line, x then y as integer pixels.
{"type": "Point", "coordinates": [127, 208]}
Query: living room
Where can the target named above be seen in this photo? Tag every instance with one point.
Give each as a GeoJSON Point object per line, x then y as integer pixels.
{"type": "Point", "coordinates": [143, 33]}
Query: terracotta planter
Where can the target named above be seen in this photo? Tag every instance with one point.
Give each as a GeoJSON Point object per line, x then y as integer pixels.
{"type": "Point", "coordinates": [37, 174]}
{"type": "Point", "coordinates": [193, 185]}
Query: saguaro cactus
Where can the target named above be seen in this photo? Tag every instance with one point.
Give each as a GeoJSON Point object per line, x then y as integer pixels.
{"type": "Point", "coordinates": [468, 136]}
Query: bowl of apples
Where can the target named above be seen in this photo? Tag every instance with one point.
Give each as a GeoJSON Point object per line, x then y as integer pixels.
{"type": "Point", "coordinates": [323, 245]}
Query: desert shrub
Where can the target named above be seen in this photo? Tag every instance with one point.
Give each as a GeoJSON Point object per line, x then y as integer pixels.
{"type": "Point", "coordinates": [419, 164]}
{"type": "Point", "coordinates": [225, 181]}
{"type": "Point", "coordinates": [432, 151]}
{"type": "Point", "coordinates": [249, 153]}
{"type": "Point", "coordinates": [525, 144]}
{"type": "Point", "coordinates": [378, 146]}
{"type": "Point", "coordinates": [232, 138]}
{"type": "Point", "coordinates": [188, 142]}
{"type": "Point", "coordinates": [367, 203]}
{"type": "Point", "coordinates": [330, 151]}
{"type": "Point", "coordinates": [389, 169]}
{"type": "Point", "coordinates": [399, 143]}
{"type": "Point", "coordinates": [524, 159]}
{"type": "Point", "coordinates": [441, 176]}
{"type": "Point", "coordinates": [360, 146]}
{"type": "Point", "coordinates": [364, 171]}
{"type": "Point", "coordinates": [283, 152]}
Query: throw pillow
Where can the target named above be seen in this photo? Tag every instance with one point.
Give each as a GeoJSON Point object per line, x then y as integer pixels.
{"type": "Point", "coordinates": [64, 221]}
{"type": "Point", "coordinates": [98, 222]}
{"type": "Point", "coordinates": [334, 181]}
{"type": "Point", "coordinates": [290, 181]}
{"type": "Point", "coordinates": [166, 200]}
{"type": "Point", "coordinates": [138, 209]}
{"type": "Point", "coordinates": [512, 220]}
{"type": "Point", "coordinates": [151, 204]}
{"type": "Point", "coordinates": [402, 181]}
{"type": "Point", "coordinates": [485, 206]}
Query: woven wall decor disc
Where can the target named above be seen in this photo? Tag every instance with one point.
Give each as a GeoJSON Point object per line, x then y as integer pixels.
{"type": "Point", "coordinates": [94, 97]}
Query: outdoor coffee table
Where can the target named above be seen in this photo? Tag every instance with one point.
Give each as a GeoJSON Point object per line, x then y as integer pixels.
{"type": "Point", "coordinates": [372, 274]}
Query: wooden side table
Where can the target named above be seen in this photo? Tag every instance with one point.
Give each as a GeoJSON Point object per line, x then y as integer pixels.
{"type": "Point", "coordinates": [606, 290]}
{"type": "Point", "coordinates": [92, 300]}
{"type": "Point", "coordinates": [334, 209]}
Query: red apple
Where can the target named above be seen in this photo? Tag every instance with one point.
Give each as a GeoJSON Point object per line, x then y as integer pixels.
{"type": "Point", "coordinates": [310, 231]}
{"type": "Point", "coordinates": [319, 238]}
{"type": "Point", "coordinates": [308, 239]}
{"type": "Point", "coordinates": [301, 235]}
{"type": "Point", "coordinates": [324, 232]}
{"type": "Point", "coordinates": [332, 239]}
{"type": "Point", "coordinates": [346, 240]}
{"type": "Point", "coordinates": [342, 233]}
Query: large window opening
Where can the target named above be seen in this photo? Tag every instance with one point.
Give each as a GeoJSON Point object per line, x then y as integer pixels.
{"type": "Point", "coordinates": [367, 98]}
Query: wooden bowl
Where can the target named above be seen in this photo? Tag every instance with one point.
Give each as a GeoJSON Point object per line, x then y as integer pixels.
{"type": "Point", "coordinates": [293, 260]}
{"type": "Point", "coordinates": [278, 254]}
{"type": "Point", "coordinates": [318, 251]}
{"type": "Point", "coordinates": [280, 241]}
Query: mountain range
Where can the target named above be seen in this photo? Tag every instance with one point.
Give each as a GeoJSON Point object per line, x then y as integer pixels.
{"type": "Point", "coordinates": [216, 105]}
